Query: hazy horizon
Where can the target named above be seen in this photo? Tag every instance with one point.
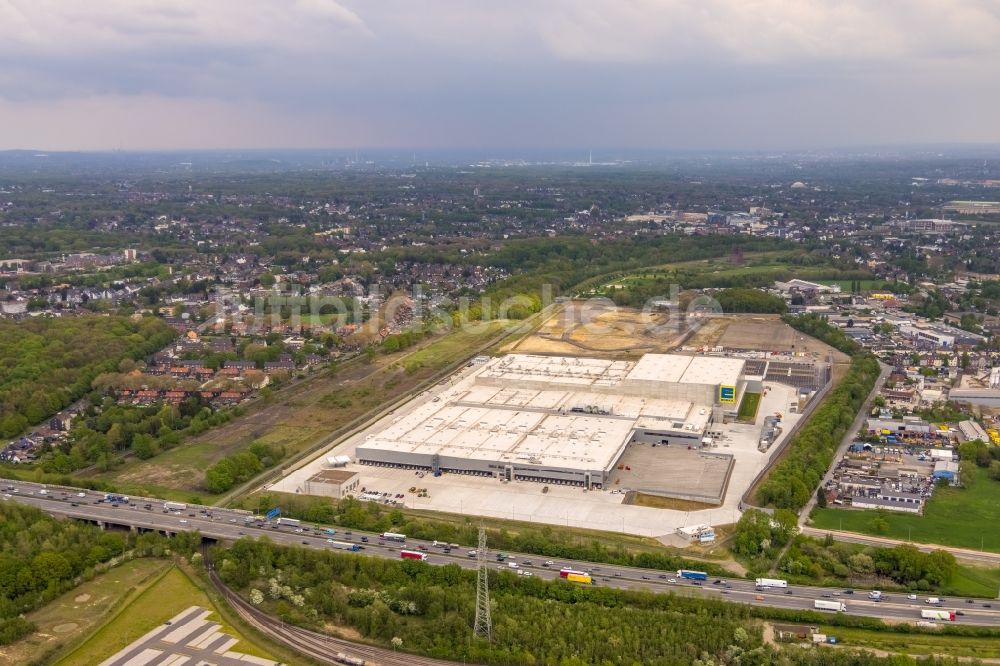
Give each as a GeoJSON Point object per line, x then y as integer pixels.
{"type": "Point", "coordinates": [714, 75]}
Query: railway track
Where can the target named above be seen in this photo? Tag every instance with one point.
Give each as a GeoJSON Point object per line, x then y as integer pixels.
{"type": "Point", "coordinates": [317, 646]}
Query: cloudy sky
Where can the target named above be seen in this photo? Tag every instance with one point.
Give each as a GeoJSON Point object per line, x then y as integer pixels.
{"type": "Point", "coordinates": [682, 74]}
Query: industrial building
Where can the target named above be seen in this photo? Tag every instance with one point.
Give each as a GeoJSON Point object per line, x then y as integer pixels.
{"type": "Point", "coordinates": [558, 419]}
{"type": "Point", "coordinates": [335, 483]}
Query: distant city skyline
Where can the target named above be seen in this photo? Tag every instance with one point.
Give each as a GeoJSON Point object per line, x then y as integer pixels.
{"type": "Point", "coordinates": [707, 75]}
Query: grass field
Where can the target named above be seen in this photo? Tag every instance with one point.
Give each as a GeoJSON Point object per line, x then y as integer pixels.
{"type": "Point", "coordinates": [916, 644]}
{"type": "Point", "coordinates": [773, 265]}
{"type": "Point", "coordinates": [657, 502]}
{"type": "Point", "coordinates": [748, 407]}
{"type": "Point", "coordinates": [68, 619]}
{"type": "Point", "coordinates": [961, 517]}
{"type": "Point", "coordinates": [168, 596]}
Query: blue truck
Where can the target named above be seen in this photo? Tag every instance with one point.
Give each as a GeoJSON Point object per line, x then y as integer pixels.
{"type": "Point", "coordinates": [692, 575]}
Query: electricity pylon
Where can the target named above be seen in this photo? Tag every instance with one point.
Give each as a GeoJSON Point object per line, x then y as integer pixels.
{"type": "Point", "coordinates": [484, 626]}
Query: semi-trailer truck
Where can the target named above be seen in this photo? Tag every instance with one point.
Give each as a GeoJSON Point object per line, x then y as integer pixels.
{"type": "Point", "coordinates": [291, 522]}
{"type": "Point", "coordinates": [343, 545]}
{"type": "Point", "coordinates": [174, 506]}
{"type": "Point", "coordinates": [112, 497]}
{"type": "Point", "coordinates": [392, 536]}
{"type": "Point", "coordinates": [937, 614]}
{"type": "Point", "coordinates": [565, 573]}
{"type": "Point", "coordinates": [836, 606]}
{"type": "Point", "coordinates": [765, 583]}
{"type": "Point", "coordinates": [586, 579]}
{"type": "Point", "coordinates": [692, 575]}
{"type": "Point", "coordinates": [412, 555]}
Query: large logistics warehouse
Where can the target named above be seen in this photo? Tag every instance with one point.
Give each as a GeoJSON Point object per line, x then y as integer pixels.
{"type": "Point", "coordinates": [557, 419]}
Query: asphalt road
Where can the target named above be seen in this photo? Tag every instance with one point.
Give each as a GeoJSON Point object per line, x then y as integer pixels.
{"type": "Point", "coordinates": [227, 524]}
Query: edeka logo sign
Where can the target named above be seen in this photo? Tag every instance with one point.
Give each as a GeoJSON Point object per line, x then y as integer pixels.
{"type": "Point", "coordinates": [727, 394]}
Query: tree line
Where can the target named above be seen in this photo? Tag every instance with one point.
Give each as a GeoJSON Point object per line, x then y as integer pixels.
{"type": "Point", "coordinates": [241, 467]}
{"type": "Point", "coordinates": [795, 477]}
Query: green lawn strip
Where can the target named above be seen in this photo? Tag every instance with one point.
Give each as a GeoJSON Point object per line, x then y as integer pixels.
{"type": "Point", "coordinates": [748, 407]}
{"type": "Point", "coordinates": [164, 598]}
{"type": "Point", "coordinates": [973, 581]}
{"type": "Point", "coordinates": [915, 643]}
{"type": "Point", "coordinates": [959, 517]}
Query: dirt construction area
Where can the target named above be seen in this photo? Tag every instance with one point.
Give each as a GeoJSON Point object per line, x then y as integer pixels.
{"type": "Point", "coordinates": [597, 327]}
{"type": "Point", "coordinates": [759, 332]}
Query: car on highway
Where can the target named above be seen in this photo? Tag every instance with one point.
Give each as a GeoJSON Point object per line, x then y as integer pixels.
{"type": "Point", "coordinates": [305, 543]}
{"type": "Point", "coordinates": [548, 563]}
{"type": "Point", "coordinates": [911, 597]}
{"type": "Point", "coordinates": [364, 539]}
{"type": "Point", "coordinates": [671, 580]}
{"type": "Point", "coordinates": [788, 591]}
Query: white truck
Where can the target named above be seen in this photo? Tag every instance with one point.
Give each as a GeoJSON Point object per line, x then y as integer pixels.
{"type": "Point", "coordinates": [875, 595]}
{"type": "Point", "coordinates": [291, 522]}
{"type": "Point", "coordinates": [174, 506]}
{"type": "Point", "coordinates": [932, 601]}
{"type": "Point", "coordinates": [766, 583]}
{"type": "Point", "coordinates": [835, 606]}
{"type": "Point", "coordinates": [937, 614]}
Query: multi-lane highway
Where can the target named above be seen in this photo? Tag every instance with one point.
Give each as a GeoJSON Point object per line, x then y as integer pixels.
{"type": "Point", "coordinates": [226, 524]}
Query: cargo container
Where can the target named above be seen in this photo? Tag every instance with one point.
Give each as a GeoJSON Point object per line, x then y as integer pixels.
{"type": "Point", "coordinates": [837, 606]}
{"type": "Point", "coordinates": [343, 545]}
{"type": "Point", "coordinates": [563, 573]}
{"type": "Point", "coordinates": [580, 578]}
{"type": "Point", "coordinates": [291, 522]}
{"type": "Point", "coordinates": [692, 575]}
{"type": "Point", "coordinates": [937, 614]}
{"type": "Point", "coordinates": [764, 583]}
{"type": "Point", "coordinates": [392, 536]}
{"type": "Point", "coordinates": [412, 555]}
{"type": "Point", "coordinates": [174, 506]}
